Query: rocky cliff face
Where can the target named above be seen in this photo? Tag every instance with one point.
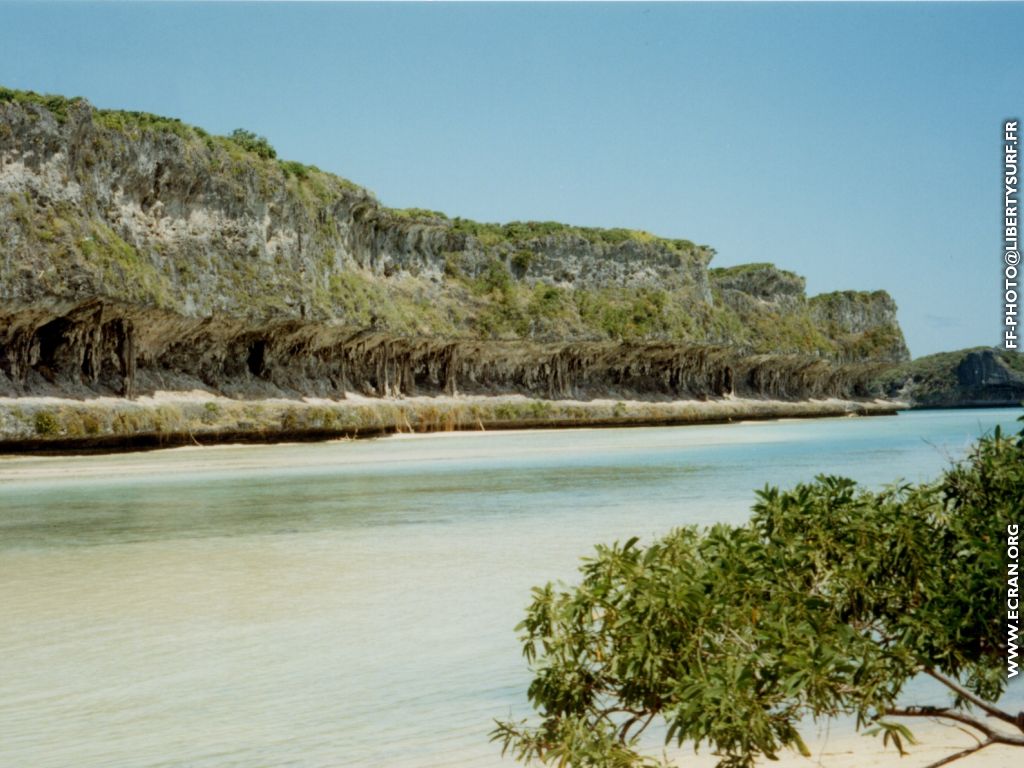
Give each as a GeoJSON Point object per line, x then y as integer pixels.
{"type": "Point", "coordinates": [964, 379]}
{"type": "Point", "coordinates": [99, 347]}
{"type": "Point", "coordinates": [763, 283]}
{"type": "Point", "coordinates": [92, 204]}
{"type": "Point", "coordinates": [772, 311]}
{"type": "Point", "coordinates": [853, 312]}
{"type": "Point", "coordinates": [139, 253]}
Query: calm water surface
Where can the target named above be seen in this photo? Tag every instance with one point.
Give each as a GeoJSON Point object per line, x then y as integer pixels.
{"type": "Point", "coordinates": [350, 603]}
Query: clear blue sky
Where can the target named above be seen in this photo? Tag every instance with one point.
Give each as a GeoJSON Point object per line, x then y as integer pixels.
{"type": "Point", "coordinates": [856, 144]}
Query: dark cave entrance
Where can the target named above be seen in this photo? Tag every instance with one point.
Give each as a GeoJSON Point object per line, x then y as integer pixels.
{"type": "Point", "coordinates": [51, 337]}
{"type": "Point", "coordinates": [255, 360]}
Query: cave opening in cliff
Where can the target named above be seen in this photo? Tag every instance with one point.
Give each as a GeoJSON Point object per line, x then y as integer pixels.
{"type": "Point", "coordinates": [50, 337]}
{"type": "Point", "coordinates": [255, 359]}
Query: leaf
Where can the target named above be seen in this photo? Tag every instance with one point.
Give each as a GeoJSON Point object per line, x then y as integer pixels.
{"type": "Point", "coordinates": [800, 745]}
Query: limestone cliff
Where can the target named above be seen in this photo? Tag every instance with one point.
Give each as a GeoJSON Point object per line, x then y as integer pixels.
{"type": "Point", "coordinates": [980, 377]}
{"type": "Point", "coordinates": [768, 309]}
{"type": "Point", "coordinates": [138, 253]}
{"type": "Point", "coordinates": [149, 211]}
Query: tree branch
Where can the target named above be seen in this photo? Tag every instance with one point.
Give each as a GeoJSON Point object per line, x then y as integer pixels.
{"type": "Point", "coordinates": [969, 733]}
{"type": "Point", "coordinates": [983, 705]}
{"type": "Point", "coordinates": [994, 737]}
{"type": "Point", "coordinates": [963, 753]}
{"type": "Point", "coordinates": [646, 723]}
{"type": "Point", "coordinates": [637, 717]}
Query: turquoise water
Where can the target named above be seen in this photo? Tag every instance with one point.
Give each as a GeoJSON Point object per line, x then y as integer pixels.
{"type": "Point", "coordinates": [350, 603]}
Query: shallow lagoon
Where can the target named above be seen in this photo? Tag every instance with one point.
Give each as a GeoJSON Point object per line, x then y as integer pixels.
{"type": "Point", "coordinates": [350, 603]}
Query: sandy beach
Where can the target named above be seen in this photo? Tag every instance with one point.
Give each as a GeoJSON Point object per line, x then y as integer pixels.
{"type": "Point", "coordinates": [843, 749]}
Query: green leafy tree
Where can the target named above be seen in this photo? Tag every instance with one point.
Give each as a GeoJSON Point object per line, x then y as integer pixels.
{"type": "Point", "coordinates": [826, 603]}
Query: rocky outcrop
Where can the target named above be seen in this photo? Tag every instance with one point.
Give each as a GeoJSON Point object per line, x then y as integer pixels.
{"type": "Point", "coordinates": [981, 377]}
{"type": "Point", "coordinates": [846, 325]}
{"type": "Point", "coordinates": [862, 323]}
{"type": "Point", "coordinates": [759, 282]}
{"type": "Point", "coordinates": [851, 312]}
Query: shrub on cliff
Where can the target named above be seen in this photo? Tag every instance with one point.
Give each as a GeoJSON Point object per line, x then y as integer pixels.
{"type": "Point", "coordinates": [57, 105]}
{"type": "Point", "coordinates": [826, 603]}
{"type": "Point", "coordinates": [250, 142]}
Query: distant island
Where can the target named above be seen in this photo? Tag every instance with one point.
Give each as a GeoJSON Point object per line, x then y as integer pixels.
{"type": "Point", "coordinates": [162, 285]}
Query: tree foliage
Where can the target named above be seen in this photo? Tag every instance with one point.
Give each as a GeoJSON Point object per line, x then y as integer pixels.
{"type": "Point", "coordinates": [826, 603]}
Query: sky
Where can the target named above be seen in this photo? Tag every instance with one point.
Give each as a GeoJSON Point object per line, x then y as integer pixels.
{"type": "Point", "coordinates": [857, 144]}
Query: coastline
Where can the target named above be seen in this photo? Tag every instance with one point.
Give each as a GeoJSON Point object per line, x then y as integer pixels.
{"type": "Point", "coordinates": [165, 419]}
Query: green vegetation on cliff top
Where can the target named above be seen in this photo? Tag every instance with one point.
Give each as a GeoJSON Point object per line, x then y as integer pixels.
{"type": "Point", "coordinates": [259, 148]}
{"type": "Point", "coordinates": [490, 299]}
{"type": "Point", "coordinates": [749, 269]}
{"type": "Point", "coordinates": [241, 143]}
{"type": "Point", "coordinates": [57, 105]}
{"type": "Point", "coordinates": [520, 232]}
